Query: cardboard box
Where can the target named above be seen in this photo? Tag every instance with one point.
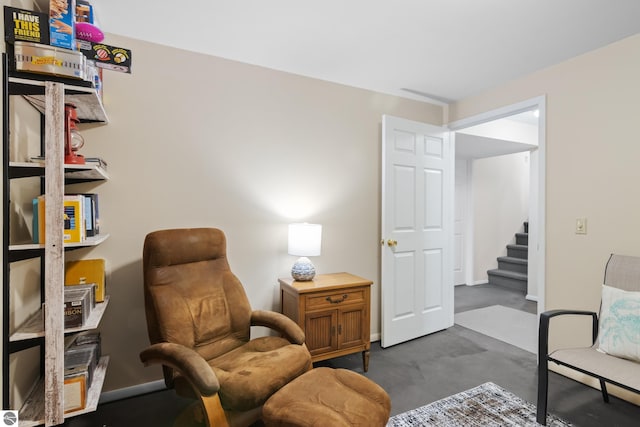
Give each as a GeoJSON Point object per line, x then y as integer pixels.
{"type": "Point", "coordinates": [39, 58]}
{"type": "Point", "coordinates": [94, 74]}
{"type": "Point", "coordinates": [87, 271]}
{"type": "Point", "coordinates": [105, 56]}
{"type": "Point", "coordinates": [84, 12]}
{"type": "Point", "coordinates": [62, 23]}
{"type": "Point", "coordinates": [25, 25]}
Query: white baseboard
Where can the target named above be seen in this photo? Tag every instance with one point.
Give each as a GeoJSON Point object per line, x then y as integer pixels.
{"type": "Point", "coordinates": [136, 390]}
{"type": "Point", "coordinates": [375, 337]}
{"type": "Point", "coordinates": [531, 298]}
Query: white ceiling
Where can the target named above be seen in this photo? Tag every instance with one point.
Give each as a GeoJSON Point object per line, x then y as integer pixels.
{"type": "Point", "coordinates": [444, 49]}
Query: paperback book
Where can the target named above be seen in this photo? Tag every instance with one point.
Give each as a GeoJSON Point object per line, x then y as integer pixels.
{"type": "Point", "coordinates": [80, 217]}
{"type": "Point", "coordinates": [74, 229]}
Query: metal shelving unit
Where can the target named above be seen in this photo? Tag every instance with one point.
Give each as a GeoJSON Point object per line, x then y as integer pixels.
{"type": "Point", "coordinates": [45, 328]}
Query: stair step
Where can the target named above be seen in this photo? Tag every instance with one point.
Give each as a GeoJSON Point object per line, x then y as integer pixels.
{"type": "Point", "coordinates": [508, 279]}
{"type": "Point", "coordinates": [508, 274]}
{"type": "Point", "coordinates": [517, 265]}
{"type": "Point", "coordinates": [518, 251]}
{"type": "Point", "coordinates": [522, 239]}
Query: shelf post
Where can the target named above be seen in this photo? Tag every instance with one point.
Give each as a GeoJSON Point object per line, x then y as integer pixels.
{"type": "Point", "coordinates": [54, 254]}
{"type": "Point", "coordinates": [5, 235]}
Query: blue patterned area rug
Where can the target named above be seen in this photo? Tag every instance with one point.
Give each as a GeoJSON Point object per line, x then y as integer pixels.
{"type": "Point", "coordinates": [485, 405]}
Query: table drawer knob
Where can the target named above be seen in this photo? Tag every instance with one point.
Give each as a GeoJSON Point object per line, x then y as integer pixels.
{"type": "Point", "coordinates": [337, 301]}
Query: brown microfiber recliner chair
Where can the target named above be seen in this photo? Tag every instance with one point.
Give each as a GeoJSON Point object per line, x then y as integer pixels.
{"type": "Point", "coordinates": [199, 318]}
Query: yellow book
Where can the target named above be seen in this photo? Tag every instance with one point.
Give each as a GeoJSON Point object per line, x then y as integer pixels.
{"type": "Point", "coordinates": [87, 271]}
{"type": "Point", "coordinates": [74, 228]}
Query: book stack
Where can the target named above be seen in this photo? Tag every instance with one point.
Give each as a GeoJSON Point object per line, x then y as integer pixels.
{"type": "Point", "coordinates": [81, 217]}
{"type": "Point", "coordinates": [81, 356]}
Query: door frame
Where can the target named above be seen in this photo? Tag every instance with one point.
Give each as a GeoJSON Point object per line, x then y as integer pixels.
{"type": "Point", "coordinates": [537, 205]}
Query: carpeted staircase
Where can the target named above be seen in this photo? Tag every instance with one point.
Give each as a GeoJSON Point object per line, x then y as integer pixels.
{"type": "Point", "coordinates": [512, 269]}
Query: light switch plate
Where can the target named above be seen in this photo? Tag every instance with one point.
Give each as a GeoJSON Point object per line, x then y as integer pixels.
{"type": "Point", "coordinates": [581, 225]}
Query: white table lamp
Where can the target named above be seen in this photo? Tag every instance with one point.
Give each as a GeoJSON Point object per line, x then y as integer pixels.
{"type": "Point", "coordinates": [304, 240]}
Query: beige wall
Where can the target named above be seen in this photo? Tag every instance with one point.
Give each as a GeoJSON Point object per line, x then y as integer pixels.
{"type": "Point", "coordinates": [196, 140]}
{"type": "Point", "coordinates": [500, 206]}
{"type": "Point", "coordinates": [592, 154]}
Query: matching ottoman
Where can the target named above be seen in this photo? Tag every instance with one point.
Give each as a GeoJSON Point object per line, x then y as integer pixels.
{"type": "Point", "coordinates": [326, 397]}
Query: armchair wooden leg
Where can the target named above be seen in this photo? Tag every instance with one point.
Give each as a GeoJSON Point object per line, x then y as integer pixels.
{"type": "Point", "coordinates": [213, 412]}
{"type": "Point", "coordinates": [543, 387]}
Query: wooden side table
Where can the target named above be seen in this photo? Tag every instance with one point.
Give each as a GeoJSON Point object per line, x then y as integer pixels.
{"type": "Point", "coordinates": [334, 311]}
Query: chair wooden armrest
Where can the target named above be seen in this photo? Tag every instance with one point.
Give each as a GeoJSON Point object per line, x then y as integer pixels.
{"type": "Point", "coordinates": [280, 323]}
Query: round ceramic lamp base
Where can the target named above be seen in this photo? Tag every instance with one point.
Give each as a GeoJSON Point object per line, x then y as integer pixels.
{"type": "Point", "coordinates": [303, 270]}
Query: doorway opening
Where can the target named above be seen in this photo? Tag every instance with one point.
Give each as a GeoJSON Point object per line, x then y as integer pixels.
{"type": "Point", "coordinates": [508, 141]}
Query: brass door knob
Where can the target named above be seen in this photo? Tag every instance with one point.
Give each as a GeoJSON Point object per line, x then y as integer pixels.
{"type": "Point", "coordinates": [392, 243]}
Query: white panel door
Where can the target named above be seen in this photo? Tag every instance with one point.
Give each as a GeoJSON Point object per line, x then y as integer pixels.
{"type": "Point", "coordinates": [417, 230]}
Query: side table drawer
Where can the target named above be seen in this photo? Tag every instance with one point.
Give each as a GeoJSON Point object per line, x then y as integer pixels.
{"type": "Point", "coordinates": [331, 299]}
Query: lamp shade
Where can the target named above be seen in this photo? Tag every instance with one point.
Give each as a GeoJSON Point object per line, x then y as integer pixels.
{"type": "Point", "coordinates": [305, 239]}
